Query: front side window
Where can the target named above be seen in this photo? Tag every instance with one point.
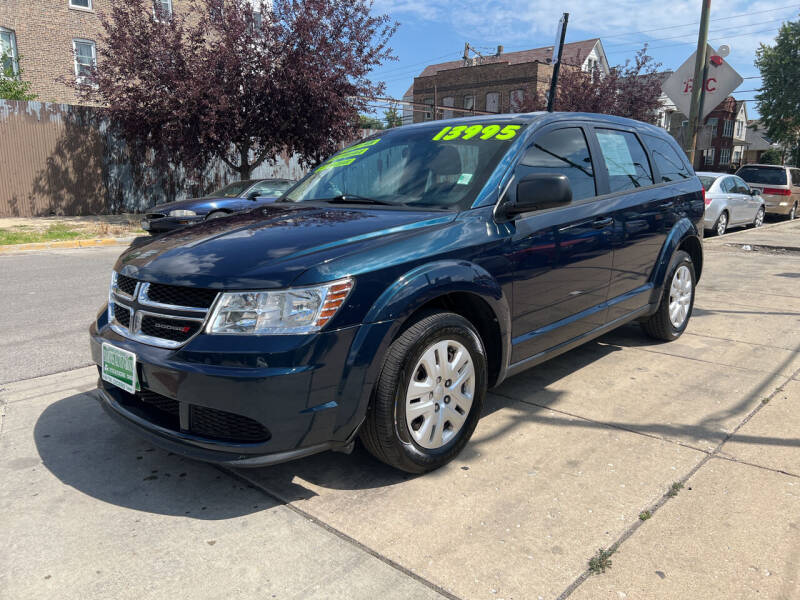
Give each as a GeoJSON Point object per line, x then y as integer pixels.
{"type": "Point", "coordinates": [85, 57]}
{"type": "Point", "coordinates": [563, 151]}
{"type": "Point", "coordinates": [232, 190]}
{"type": "Point", "coordinates": [433, 166]}
{"type": "Point", "coordinates": [81, 4]}
{"type": "Point", "coordinates": [8, 52]}
{"type": "Point", "coordinates": [626, 161]}
{"type": "Point", "coordinates": [741, 186]}
{"type": "Point", "coordinates": [669, 163]}
{"type": "Point", "coordinates": [270, 188]}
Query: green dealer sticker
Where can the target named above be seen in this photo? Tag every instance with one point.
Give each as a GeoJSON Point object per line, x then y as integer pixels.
{"type": "Point", "coordinates": [119, 368]}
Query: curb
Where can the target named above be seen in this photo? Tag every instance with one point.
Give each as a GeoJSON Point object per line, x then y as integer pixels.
{"type": "Point", "coordinates": [714, 240]}
{"type": "Point", "coordinates": [14, 248]}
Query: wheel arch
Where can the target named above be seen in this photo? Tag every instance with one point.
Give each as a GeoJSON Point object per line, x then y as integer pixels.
{"type": "Point", "coordinates": [683, 236]}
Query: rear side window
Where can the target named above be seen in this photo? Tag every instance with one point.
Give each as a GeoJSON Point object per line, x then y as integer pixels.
{"type": "Point", "coordinates": [669, 164]}
{"type": "Point", "coordinates": [562, 151]}
{"type": "Point", "coordinates": [765, 175]}
{"type": "Point", "coordinates": [728, 185]}
{"type": "Point", "coordinates": [795, 176]}
{"type": "Point", "coordinates": [707, 181]}
{"type": "Point", "coordinates": [626, 161]}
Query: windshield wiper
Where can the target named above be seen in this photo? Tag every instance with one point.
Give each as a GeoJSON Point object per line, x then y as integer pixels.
{"type": "Point", "coordinates": [354, 199]}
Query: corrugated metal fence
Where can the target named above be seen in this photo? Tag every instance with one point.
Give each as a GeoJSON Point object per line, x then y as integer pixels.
{"type": "Point", "coordinates": [63, 159]}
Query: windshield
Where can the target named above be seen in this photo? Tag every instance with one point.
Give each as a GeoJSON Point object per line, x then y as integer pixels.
{"type": "Point", "coordinates": [232, 190]}
{"type": "Point", "coordinates": [768, 175]}
{"type": "Point", "coordinates": [707, 181]}
{"type": "Point", "coordinates": [432, 165]}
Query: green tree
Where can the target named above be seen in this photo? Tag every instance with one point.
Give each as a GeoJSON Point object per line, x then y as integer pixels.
{"type": "Point", "coordinates": [393, 117]}
{"type": "Point", "coordinates": [779, 99]}
{"type": "Point", "coordinates": [772, 156]}
{"type": "Point", "coordinates": [367, 122]}
{"type": "Point", "coordinates": [12, 86]}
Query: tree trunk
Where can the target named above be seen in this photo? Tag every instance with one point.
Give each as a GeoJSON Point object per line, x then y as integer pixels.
{"type": "Point", "coordinates": [245, 168]}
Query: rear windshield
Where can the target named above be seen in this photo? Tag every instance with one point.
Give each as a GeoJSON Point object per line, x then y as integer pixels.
{"type": "Point", "coordinates": [767, 175]}
{"type": "Point", "coordinates": [707, 181]}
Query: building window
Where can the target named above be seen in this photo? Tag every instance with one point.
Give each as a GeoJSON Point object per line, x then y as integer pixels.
{"type": "Point", "coordinates": [448, 101]}
{"type": "Point", "coordinates": [740, 129]}
{"type": "Point", "coordinates": [725, 156]}
{"type": "Point", "coordinates": [708, 156]}
{"type": "Point", "coordinates": [8, 52]}
{"type": "Point", "coordinates": [256, 6]}
{"type": "Point", "coordinates": [516, 99]}
{"type": "Point", "coordinates": [493, 102]}
{"type": "Point", "coordinates": [737, 156]}
{"type": "Point", "coordinates": [428, 108]}
{"type": "Point", "coordinates": [85, 57]}
{"type": "Point", "coordinates": [162, 9]}
{"type": "Point", "coordinates": [87, 4]}
{"type": "Point", "coordinates": [712, 123]}
{"type": "Point", "coordinates": [469, 102]}
{"type": "Point", "coordinates": [727, 130]}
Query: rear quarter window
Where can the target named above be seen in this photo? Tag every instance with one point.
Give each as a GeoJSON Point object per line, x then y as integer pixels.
{"type": "Point", "coordinates": [670, 165]}
{"type": "Point", "coordinates": [763, 175]}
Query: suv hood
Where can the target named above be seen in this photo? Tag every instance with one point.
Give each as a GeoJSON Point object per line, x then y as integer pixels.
{"type": "Point", "coordinates": [269, 247]}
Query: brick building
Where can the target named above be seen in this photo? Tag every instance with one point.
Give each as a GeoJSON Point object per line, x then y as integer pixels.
{"type": "Point", "coordinates": [496, 83]}
{"type": "Point", "coordinates": [56, 40]}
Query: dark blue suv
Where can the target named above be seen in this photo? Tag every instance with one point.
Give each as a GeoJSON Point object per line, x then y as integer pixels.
{"type": "Point", "coordinates": [384, 293]}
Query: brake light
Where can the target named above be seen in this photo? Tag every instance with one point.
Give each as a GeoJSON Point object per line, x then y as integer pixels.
{"type": "Point", "coordinates": [777, 192]}
{"type": "Point", "coordinates": [706, 199]}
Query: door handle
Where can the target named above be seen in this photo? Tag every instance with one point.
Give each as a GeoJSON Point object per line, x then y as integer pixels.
{"type": "Point", "coordinates": [602, 222]}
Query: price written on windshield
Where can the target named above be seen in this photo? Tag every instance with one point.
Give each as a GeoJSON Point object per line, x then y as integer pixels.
{"type": "Point", "coordinates": [483, 132]}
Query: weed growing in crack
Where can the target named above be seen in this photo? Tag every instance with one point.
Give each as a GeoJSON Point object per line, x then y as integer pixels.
{"type": "Point", "coordinates": [674, 489]}
{"type": "Point", "coordinates": [644, 515]}
{"type": "Point", "coordinates": [600, 561]}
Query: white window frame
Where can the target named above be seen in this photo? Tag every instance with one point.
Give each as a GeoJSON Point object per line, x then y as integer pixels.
{"type": "Point", "coordinates": [708, 156]}
{"type": "Point", "coordinates": [469, 102]}
{"type": "Point", "coordinates": [727, 129]}
{"type": "Point", "coordinates": [737, 156]}
{"type": "Point", "coordinates": [79, 7]}
{"type": "Point", "coordinates": [14, 52]}
{"type": "Point", "coordinates": [724, 156]}
{"type": "Point", "coordinates": [75, 43]}
{"type": "Point", "coordinates": [169, 10]}
{"type": "Point", "coordinates": [494, 95]}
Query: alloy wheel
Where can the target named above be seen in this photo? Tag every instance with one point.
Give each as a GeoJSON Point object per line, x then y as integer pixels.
{"type": "Point", "coordinates": [440, 394]}
{"type": "Point", "coordinates": [759, 217]}
{"type": "Point", "coordinates": [722, 223]}
{"type": "Point", "coordinates": [680, 296]}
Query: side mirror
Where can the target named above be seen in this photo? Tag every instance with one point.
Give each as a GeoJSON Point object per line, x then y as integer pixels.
{"type": "Point", "coordinates": [755, 192]}
{"type": "Point", "coordinates": [539, 191]}
{"type": "Point", "coordinates": [252, 195]}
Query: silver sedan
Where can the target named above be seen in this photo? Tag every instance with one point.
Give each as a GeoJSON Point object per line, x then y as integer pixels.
{"type": "Point", "coordinates": [730, 202]}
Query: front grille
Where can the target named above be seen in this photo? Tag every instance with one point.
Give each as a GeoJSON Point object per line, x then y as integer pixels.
{"type": "Point", "coordinates": [176, 330]}
{"type": "Point", "coordinates": [162, 403]}
{"type": "Point", "coordinates": [122, 315]}
{"type": "Point", "coordinates": [126, 285]}
{"type": "Point", "coordinates": [181, 296]}
{"type": "Point", "coordinates": [204, 422]}
{"type": "Point", "coordinates": [222, 425]}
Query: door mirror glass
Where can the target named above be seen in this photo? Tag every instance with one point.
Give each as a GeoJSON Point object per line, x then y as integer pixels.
{"type": "Point", "coordinates": [253, 195]}
{"type": "Point", "coordinates": [539, 191]}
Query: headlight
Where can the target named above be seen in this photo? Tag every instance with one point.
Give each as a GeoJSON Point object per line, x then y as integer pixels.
{"type": "Point", "coordinates": [298, 310]}
{"type": "Point", "coordinates": [182, 213]}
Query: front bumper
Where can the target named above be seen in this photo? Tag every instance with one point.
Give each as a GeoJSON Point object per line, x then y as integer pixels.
{"type": "Point", "coordinates": [169, 223]}
{"type": "Point", "coordinates": [309, 393]}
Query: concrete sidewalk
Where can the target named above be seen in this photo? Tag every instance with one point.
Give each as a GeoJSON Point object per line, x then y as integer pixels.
{"type": "Point", "coordinates": [578, 454]}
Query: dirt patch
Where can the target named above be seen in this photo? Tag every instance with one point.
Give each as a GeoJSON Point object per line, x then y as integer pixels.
{"type": "Point", "coordinates": [23, 230]}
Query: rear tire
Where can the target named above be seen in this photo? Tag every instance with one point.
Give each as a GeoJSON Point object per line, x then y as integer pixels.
{"type": "Point", "coordinates": [677, 301]}
{"type": "Point", "coordinates": [792, 213]}
{"type": "Point", "coordinates": [429, 396]}
{"type": "Point", "coordinates": [721, 226]}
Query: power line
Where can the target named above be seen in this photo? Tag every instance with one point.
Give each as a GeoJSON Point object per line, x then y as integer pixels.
{"type": "Point", "coordinates": [727, 37]}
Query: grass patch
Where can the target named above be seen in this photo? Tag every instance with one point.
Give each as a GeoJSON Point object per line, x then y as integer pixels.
{"type": "Point", "coordinates": [644, 515]}
{"type": "Point", "coordinates": [54, 233]}
{"type": "Point", "coordinates": [674, 489]}
{"type": "Point", "coordinates": [600, 561]}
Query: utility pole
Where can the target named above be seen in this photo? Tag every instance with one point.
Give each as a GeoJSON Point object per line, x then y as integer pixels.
{"type": "Point", "coordinates": [700, 71]}
{"type": "Point", "coordinates": [558, 51]}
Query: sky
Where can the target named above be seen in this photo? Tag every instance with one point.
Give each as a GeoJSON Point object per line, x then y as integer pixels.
{"type": "Point", "coordinates": [433, 31]}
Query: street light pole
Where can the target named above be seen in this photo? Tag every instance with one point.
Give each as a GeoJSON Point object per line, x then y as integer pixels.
{"type": "Point", "coordinates": [551, 96]}
{"type": "Point", "coordinates": [695, 112]}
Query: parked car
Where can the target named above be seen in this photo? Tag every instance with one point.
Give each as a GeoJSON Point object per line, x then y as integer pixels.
{"type": "Point", "coordinates": [234, 197]}
{"type": "Point", "coordinates": [780, 187]}
{"type": "Point", "coordinates": [384, 293]}
{"type": "Point", "coordinates": [730, 202]}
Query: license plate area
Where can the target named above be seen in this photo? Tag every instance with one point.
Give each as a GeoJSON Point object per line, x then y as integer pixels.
{"type": "Point", "coordinates": [119, 368]}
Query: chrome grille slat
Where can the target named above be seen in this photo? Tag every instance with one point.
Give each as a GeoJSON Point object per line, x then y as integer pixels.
{"type": "Point", "coordinates": [155, 323]}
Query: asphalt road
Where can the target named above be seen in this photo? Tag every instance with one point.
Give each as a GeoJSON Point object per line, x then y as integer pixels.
{"type": "Point", "coordinates": [48, 300]}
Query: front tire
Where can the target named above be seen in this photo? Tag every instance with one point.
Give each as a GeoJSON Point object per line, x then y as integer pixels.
{"type": "Point", "coordinates": [792, 213]}
{"type": "Point", "coordinates": [677, 301]}
{"type": "Point", "coordinates": [429, 396]}
{"type": "Point", "coordinates": [759, 220]}
{"type": "Point", "coordinates": [721, 226]}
